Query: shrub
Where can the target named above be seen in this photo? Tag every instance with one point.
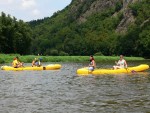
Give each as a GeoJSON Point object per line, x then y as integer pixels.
{"type": "Point", "coordinates": [54, 52]}
{"type": "Point", "coordinates": [2, 60]}
{"type": "Point", "coordinates": [98, 54]}
{"type": "Point", "coordinates": [62, 53]}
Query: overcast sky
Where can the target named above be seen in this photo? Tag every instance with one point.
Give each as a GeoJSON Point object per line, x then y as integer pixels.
{"type": "Point", "coordinates": [28, 10]}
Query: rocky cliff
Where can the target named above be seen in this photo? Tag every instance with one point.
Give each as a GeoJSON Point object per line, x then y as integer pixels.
{"type": "Point", "coordinates": [95, 6]}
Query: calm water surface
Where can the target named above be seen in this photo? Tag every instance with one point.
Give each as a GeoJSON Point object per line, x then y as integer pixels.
{"type": "Point", "coordinates": [63, 91]}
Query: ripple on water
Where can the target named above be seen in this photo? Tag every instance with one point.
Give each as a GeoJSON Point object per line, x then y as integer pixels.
{"type": "Point", "coordinates": [63, 92]}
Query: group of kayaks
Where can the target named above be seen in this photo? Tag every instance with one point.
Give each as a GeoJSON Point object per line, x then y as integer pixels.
{"type": "Point", "coordinates": [83, 71]}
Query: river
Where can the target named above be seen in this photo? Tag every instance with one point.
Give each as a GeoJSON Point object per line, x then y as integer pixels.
{"type": "Point", "coordinates": [62, 91]}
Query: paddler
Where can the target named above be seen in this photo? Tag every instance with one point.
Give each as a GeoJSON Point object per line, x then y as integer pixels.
{"type": "Point", "coordinates": [92, 64]}
{"type": "Point", "coordinates": [36, 62]}
{"type": "Point", "coordinates": [16, 63]}
{"type": "Point", "coordinates": [121, 63]}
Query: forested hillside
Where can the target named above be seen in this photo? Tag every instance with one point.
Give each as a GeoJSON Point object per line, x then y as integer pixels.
{"type": "Point", "coordinates": [102, 27]}
{"type": "Point", "coordinates": [85, 27]}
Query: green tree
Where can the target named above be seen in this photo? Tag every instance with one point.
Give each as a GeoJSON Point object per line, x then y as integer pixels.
{"type": "Point", "coordinates": [15, 35]}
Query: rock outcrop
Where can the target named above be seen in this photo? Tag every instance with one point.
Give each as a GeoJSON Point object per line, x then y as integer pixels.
{"type": "Point", "coordinates": [96, 6]}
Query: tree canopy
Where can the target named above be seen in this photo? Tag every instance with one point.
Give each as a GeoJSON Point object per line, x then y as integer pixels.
{"type": "Point", "coordinates": [66, 32]}
{"type": "Point", "coordinates": [78, 30]}
{"type": "Point", "coordinates": [15, 35]}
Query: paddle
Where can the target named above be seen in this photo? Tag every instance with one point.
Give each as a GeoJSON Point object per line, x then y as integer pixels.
{"type": "Point", "coordinates": [132, 71]}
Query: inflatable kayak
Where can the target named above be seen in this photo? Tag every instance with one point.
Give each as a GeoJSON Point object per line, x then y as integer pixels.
{"type": "Point", "coordinates": [48, 67]}
{"type": "Point", "coordinates": [140, 68]}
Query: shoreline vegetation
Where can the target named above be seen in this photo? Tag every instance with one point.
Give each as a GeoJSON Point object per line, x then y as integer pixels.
{"type": "Point", "coordinates": [8, 58]}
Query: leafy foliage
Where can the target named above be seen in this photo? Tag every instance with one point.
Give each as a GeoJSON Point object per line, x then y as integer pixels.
{"type": "Point", "coordinates": [63, 31]}
{"type": "Point", "coordinates": [137, 40]}
{"type": "Point", "coordinates": [76, 39]}
{"type": "Point", "coordinates": [15, 35]}
{"type": "Point", "coordinates": [77, 31]}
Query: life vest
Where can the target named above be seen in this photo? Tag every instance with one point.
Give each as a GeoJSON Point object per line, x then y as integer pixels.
{"type": "Point", "coordinates": [15, 63]}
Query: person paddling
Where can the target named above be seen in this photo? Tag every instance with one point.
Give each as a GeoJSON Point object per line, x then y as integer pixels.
{"type": "Point", "coordinates": [121, 63]}
{"type": "Point", "coordinates": [36, 62]}
{"type": "Point", "coordinates": [16, 63]}
{"type": "Point", "coordinates": [92, 64]}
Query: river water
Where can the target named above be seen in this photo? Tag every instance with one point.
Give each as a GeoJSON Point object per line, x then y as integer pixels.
{"type": "Point", "coordinates": [62, 91]}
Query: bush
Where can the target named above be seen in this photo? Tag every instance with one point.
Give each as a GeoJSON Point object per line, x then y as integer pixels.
{"type": "Point", "coordinates": [119, 6]}
{"type": "Point", "coordinates": [45, 59]}
{"type": "Point", "coordinates": [98, 54]}
{"type": "Point", "coordinates": [29, 59]}
{"type": "Point", "coordinates": [54, 52]}
{"type": "Point", "coordinates": [2, 60]}
{"type": "Point", "coordinates": [62, 53]}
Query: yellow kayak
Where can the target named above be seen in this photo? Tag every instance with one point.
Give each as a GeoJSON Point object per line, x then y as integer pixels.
{"type": "Point", "coordinates": [140, 68]}
{"type": "Point", "coordinates": [48, 67]}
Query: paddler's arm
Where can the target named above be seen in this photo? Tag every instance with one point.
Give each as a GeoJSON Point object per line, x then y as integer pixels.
{"type": "Point", "coordinates": [125, 63]}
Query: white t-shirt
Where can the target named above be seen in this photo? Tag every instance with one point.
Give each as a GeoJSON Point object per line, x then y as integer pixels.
{"type": "Point", "coordinates": [121, 63]}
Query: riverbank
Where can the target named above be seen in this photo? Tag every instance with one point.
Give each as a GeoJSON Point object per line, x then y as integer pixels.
{"type": "Point", "coordinates": [7, 58]}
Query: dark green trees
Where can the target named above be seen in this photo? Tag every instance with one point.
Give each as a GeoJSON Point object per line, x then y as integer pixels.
{"type": "Point", "coordinates": [82, 28]}
{"type": "Point", "coordinates": [15, 35]}
{"type": "Point", "coordinates": [137, 39]}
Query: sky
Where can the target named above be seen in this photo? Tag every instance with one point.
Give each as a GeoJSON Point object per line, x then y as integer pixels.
{"type": "Point", "coordinates": [28, 10]}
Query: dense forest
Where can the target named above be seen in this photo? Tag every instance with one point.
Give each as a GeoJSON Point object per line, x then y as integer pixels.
{"type": "Point", "coordinates": [15, 36]}
{"type": "Point", "coordinates": [85, 27]}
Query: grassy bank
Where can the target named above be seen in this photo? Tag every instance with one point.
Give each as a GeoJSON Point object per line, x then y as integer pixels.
{"type": "Point", "coordinates": [7, 58]}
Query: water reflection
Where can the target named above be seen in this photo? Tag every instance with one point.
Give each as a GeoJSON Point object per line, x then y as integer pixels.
{"type": "Point", "coordinates": [63, 91]}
